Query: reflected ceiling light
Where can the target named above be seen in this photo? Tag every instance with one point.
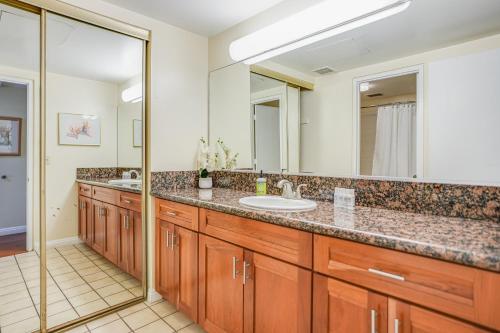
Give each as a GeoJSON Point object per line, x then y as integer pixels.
{"type": "Point", "coordinates": [365, 86]}
{"type": "Point", "coordinates": [324, 20]}
{"type": "Point", "coordinates": [132, 94]}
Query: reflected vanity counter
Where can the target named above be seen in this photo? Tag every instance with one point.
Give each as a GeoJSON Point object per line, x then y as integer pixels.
{"type": "Point", "coordinates": [459, 240]}
{"type": "Point", "coordinates": [104, 182]}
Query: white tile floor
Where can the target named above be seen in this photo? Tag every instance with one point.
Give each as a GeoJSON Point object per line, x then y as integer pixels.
{"type": "Point", "coordinates": [79, 282]}
{"type": "Point", "coordinates": [157, 317]}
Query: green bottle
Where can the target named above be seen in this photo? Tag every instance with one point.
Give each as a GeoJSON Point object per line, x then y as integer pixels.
{"type": "Point", "coordinates": [261, 185]}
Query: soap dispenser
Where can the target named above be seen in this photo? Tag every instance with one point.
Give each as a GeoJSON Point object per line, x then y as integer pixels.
{"type": "Point", "coordinates": [261, 185]}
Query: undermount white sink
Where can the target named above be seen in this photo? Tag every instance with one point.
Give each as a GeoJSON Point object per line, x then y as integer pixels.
{"type": "Point", "coordinates": [125, 182]}
{"type": "Point", "coordinates": [272, 202]}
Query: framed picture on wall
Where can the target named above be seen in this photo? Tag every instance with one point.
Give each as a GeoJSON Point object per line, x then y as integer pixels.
{"type": "Point", "coordinates": [137, 132]}
{"type": "Point", "coordinates": [10, 136]}
{"type": "Point", "coordinates": [79, 130]}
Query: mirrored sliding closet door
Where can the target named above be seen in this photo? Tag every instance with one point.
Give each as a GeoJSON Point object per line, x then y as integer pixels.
{"type": "Point", "coordinates": [94, 109]}
{"type": "Point", "coordinates": [19, 209]}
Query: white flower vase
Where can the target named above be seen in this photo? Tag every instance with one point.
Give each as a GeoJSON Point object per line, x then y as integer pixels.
{"type": "Point", "coordinates": [205, 182]}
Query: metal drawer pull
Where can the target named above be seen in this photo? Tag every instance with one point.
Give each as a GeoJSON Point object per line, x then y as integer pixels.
{"type": "Point", "coordinates": [396, 325]}
{"type": "Point", "coordinates": [245, 277]}
{"type": "Point", "coordinates": [235, 272]}
{"type": "Point", "coordinates": [168, 235]}
{"type": "Point", "coordinates": [373, 327]}
{"type": "Point", "coordinates": [385, 274]}
{"type": "Point", "coordinates": [171, 214]}
{"type": "Point", "coordinates": [127, 201]}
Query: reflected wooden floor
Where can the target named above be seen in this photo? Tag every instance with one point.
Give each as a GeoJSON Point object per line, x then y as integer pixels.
{"type": "Point", "coordinates": [12, 244]}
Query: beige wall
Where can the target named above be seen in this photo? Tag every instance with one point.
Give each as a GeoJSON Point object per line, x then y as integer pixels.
{"type": "Point", "coordinates": [67, 94]}
{"type": "Point", "coordinates": [128, 155]}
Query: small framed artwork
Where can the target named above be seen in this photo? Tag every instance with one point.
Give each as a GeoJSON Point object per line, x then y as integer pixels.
{"type": "Point", "coordinates": [10, 136]}
{"type": "Point", "coordinates": [79, 130]}
{"type": "Point", "coordinates": [137, 132]}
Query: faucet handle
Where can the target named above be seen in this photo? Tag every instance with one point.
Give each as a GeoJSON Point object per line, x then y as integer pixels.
{"type": "Point", "coordinates": [298, 194]}
{"type": "Point", "coordinates": [287, 187]}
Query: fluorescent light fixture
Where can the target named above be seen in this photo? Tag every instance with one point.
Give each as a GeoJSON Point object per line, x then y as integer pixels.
{"type": "Point", "coordinates": [324, 20]}
{"type": "Point", "coordinates": [365, 86]}
{"type": "Point", "coordinates": [132, 94]}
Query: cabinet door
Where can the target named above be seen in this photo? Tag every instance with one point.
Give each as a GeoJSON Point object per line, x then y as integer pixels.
{"type": "Point", "coordinates": [123, 241]}
{"type": "Point", "coordinates": [186, 271]}
{"type": "Point", "coordinates": [111, 224]}
{"type": "Point", "coordinates": [406, 318]}
{"type": "Point", "coordinates": [277, 295]}
{"type": "Point", "coordinates": [82, 219]}
{"type": "Point", "coordinates": [164, 270]}
{"type": "Point", "coordinates": [221, 287]}
{"type": "Point", "coordinates": [89, 221]}
{"type": "Point", "coordinates": [339, 307]}
{"type": "Point", "coordinates": [135, 244]}
{"type": "Point", "coordinates": [98, 227]}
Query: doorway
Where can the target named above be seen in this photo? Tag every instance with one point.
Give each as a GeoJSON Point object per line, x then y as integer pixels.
{"type": "Point", "coordinates": [266, 133]}
{"type": "Point", "coordinates": [15, 166]}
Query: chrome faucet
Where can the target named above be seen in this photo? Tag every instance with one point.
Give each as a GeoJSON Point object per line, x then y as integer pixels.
{"type": "Point", "coordinates": [137, 174]}
{"type": "Point", "coordinates": [287, 187]}
{"type": "Point", "coordinates": [288, 192]}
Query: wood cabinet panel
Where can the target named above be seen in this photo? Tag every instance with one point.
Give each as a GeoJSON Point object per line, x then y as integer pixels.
{"type": "Point", "coordinates": [277, 296]}
{"type": "Point", "coordinates": [461, 291]}
{"type": "Point", "coordinates": [85, 219]}
{"type": "Point", "coordinates": [111, 224]}
{"type": "Point", "coordinates": [123, 234]}
{"type": "Point", "coordinates": [340, 307]}
{"type": "Point", "coordinates": [98, 226]}
{"type": "Point", "coordinates": [287, 244]}
{"type": "Point", "coordinates": [103, 194]}
{"type": "Point", "coordinates": [165, 261]}
{"type": "Point", "coordinates": [220, 286]}
{"type": "Point", "coordinates": [407, 318]}
{"type": "Point", "coordinates": [186, 271]}
{"type": "Point", "coordinates": [183, 215]}
{"type": "Point", "coordinates": [135, 244]}
{"type": "Point", "coordinates": [131, 201]}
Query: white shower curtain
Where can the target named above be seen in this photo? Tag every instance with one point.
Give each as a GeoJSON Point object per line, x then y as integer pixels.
{"type": "Point", "coordinates": [395, 141]}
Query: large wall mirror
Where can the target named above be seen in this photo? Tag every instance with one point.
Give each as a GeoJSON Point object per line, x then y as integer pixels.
{"type": "Point", "coordinates": [93, 81]}
{"type": "Point", "coordinates": [412, 96]}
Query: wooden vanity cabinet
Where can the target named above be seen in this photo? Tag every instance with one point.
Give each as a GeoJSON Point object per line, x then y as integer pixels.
{"type": "Point", "coordinates": [177, 266]}
{"type": "Point", "coordinates": [244, 291]}
{"type": "Point", "coordinates": [110, 222]}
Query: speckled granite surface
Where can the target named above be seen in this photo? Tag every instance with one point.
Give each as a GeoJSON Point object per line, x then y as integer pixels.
{"type": "Point", "coordinates": [103, 182]}
{"type": "Point", "coordinates": [91, 173]}
{"type": "Point", "coordinates": [469, 201]}
{"type": "Point", "coordinates": [174, 179]}
{"type": "Point", "coordinates": [469, 242]}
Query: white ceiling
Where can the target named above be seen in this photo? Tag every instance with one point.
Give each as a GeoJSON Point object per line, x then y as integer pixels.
{"type": "Point", "coordinates": [204, 17]}
{"type": "Point", "coordinates": [425, 25]}
{"type": "Point", "coordinates": [390, 87]}
{"type": "Point", "coordinates": [73, 48]}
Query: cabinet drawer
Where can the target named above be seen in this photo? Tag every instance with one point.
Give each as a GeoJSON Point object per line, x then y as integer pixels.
{"type": "Point", "coordinates": [283, 243]}
{"type": "Point", "coordinates": [184, 215]}
{"type": "Point", "coordinates": [129, 200]}
{"type": "Point", "coordinates": [104, 194]}
{"type": "Point", "coordinates": [85, 190]}
{"type": "Point", "coordinates": [466, 292]}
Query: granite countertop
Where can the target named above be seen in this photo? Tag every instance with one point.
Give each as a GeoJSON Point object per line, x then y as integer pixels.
{"type": "Point", "coordinates": [464, 241]}
{"type": "Point", "coordinates": [103, 182]}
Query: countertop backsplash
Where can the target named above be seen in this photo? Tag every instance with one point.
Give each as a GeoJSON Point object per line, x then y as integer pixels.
{"type": "Point", "coordinates": [453, 200]}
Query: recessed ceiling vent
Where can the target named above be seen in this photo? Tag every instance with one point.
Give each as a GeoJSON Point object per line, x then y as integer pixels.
{"type": "Point", "coordinates": [375, 95]}
{"type": "Point", "coordinates": [324, 70]}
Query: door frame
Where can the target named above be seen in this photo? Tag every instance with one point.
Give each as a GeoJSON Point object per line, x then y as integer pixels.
{"type": "Point", "coordinates": [30, 152]}
{"type": "Point", "coordinates": [419, 71]}
{"type": "Point", "coordinates": [273, 94]}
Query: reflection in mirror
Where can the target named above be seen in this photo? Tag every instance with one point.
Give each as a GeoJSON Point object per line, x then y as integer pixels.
{"type": "Point", "coordinates": [93, 123]}
{"type": "Point", "coordinates": [394, 98]}
{"type": "Point", "coordinates": [19, 182]}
